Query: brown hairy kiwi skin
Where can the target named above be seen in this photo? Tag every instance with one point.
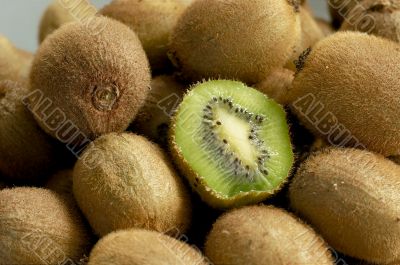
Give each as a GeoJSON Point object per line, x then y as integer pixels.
{"type": "Point", "coordinates": [351, 197]}
{"type": "Point", "coordinates": [26, 152]}
{"type": "Point", "coordinates": [53, 18]}
{"type": "Point", "coordinates": [335, 63]}
{"type": "Point", "coordinates": [143, 17]}
{"type": "Point", "coordinates": [15, 63]}
{"type": "Point", "coordinates": [38, 227]}
{"type": "Point", "coordinates": [154, 117]}
{"type": "Point", "coordinates": [134, 183]}
{"type": "Point", "coordinates": [222, 44]}
{"type": "Point", "coordinates": [277, 84]}
{"type": "Point", "coordinates": [311, 33]}
{"type": "Point", "coordinates": [260, 235]}
{"type": "Point", "coordinates": [138, 246]}
{"type": "Point", "coordinates": [384, 14]}
{"type": "Point", "coordinates": [99, 80]}
{"type": "Point", "coordinates": [325, 26]}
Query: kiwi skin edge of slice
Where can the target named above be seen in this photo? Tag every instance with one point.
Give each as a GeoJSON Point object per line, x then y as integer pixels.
{"type": "Point", "coordinates": [198, 184]}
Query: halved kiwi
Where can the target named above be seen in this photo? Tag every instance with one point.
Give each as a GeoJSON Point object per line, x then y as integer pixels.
{"type": "Point", "coordinates": [232, 143]}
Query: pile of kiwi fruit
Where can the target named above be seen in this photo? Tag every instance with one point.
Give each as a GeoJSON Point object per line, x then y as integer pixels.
{"type": "Point", "coordinates": [197, 132]}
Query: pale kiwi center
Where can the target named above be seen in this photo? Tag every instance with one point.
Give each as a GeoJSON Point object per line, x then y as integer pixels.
{"type": "Point", "coordinates": [105, 97]}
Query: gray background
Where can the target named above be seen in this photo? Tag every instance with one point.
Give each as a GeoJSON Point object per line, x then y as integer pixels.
{"type": "Point", "coordinates": [19, 19]}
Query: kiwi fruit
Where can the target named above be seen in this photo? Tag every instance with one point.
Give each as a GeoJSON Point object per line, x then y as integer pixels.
{"type": "Point", "coordinates": [38, 227]}
{"type": "Point", "coordinates": [95, 81]}
{"type": "Point", "coordinates": [53, 18]}
{"type": "Point", "coordinates": [364, 111]}
{"type": "Point", "coordinates": [325, 26]}
{"type": "Point", "coordinates": [235, 39]}
{"type": "Point", "coordinates": [260, 235]}
{"type": "Point", "coordinates": [153, 22]}
{"type": "Point", "coordinates": [131, 179]}
{"type": "Point", "coordinates": [277, 84]}
{"type": "Point", "coordinates": [138, 246]}
{"type": "Point", "coordinates": [14, 63]}
{"type": "Point", "coordinates": [381, 18]}
{"type": "Point", "coordinates": [26, 152]}
{"type": "Point", "coordinates": [154, 117]}
{"type": "Point", "coordinates": [351, 197]}
{"type": "Point", "coordinates": [231, 142]}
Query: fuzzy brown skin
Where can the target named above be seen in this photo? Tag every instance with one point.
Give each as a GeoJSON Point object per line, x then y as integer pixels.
{"type": "Point", "coordinates": [351, 197]}
{"type": "Point", "coordinates": [153, 22]}
{"type": "Point", "coordinates": [133, 182]}
{"type": "Point", "coordinates": [385, 15]}
{"type": "Point", "coordinates": [142, 247]}
{"type": "Point", "coordinates": [260, 235]}
{"type": "Point", "coordinates": [15, 63]}
{"type": "Point", "coordinates": [234, 39]}
{"type": "Point", "coordinates": [99, 80]}
{"type": "Point", "coordinates": [325, 26]}
{"type": "Point", "coordinates": [277, 84]}
{"type": "Point", "coordinates": [53, 18]}
{"type": "Point", "coordinates": [38, 227]}
{"type": "Point", "coordinates": [311, 33]}
{"type": "Point", "coordinates": [26, 152]}
{"type": "Point", "coordinates": [354, 76]}
{"type": "Point", "coordinates": [154, 117]}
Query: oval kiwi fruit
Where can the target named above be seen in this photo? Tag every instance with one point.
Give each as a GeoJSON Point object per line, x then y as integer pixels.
{"type": "Point", "coordinates": [153, 22]}
{"type": "Point", "coordinates": [132, 180]}
{"type": "Point", "coordinates": [15, 63]}
{"type": "Point", "coordinates": [53, 18]}
{"type": "Point", "coordinates": [26, 152]}
{"type": "Point", "coordinates": [260, 235]}
{"type": "Point", "coordinates": [235, 39]}
{"type": "Point", "coordinates": [351, 197]}
{"type": "Point", "coordinates": [137, 246]}
{"type": "Point", "coordinates": [346, 100]}
{"type": "Point", "coordinates": [98, 81]}
{"type": "Point", "coordinates": [383, 19]}
{"type": "Point", "coordinates": [277, 84]}
{"type": "Point", "coordinates": [38, 227]}
{"type": "Point", "coordinates": [154, 117]}
{"type": "Point", "coordinates": [232, 143]}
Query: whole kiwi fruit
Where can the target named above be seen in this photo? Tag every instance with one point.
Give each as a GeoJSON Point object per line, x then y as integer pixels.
{"type": "Point", "coordinates": [384, 16]}
{"type": "Point", "coordinates": [341, 97]}
{"type": "Point", "coordinates": [260, 235]}
{"type": "Point", "coordinates": [351, 197]}
{"type": "Point", "coordinates": [154, 117]}
{"type": "Point", "coordinates": [132, 180]}
{"type": "Point", "coordinates": [38, 227]}
{"type": "Point", "coordinates": [95, 81]}
{"type": "Point", "coordinates": [15, 63]}
{"type": "Point", "coordinates": [153, 22]}
{"type": "Point", "coordinates": [138, 246]}
{"type": "Point", "coordinates": [26, 152]}
{"type": "Point", "coordinates": [53, 18]}
{"type": "Point", "coordinates": [235, 39]}
{"type": "Point", "coordinates": [277, 84]}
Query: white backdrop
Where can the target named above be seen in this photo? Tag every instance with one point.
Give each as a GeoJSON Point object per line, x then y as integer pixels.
{"type": "Point", "coordinates": [19, 19]}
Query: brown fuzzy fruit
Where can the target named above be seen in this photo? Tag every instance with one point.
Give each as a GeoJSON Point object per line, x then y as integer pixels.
{"type": "Point", "coordinates": [153, 22]}
{"type": "Point", "coordinates": [235, 39]}
{"type": "Point", "coordinates": [382, 18]}
{"type": "Point", "coordinates": [142, 247]}
{"type": "Point", "coordinates": [95, 80]}
{"type": "Point", "coordinates": [132, 180]}
{"type": "Point", "coordinates": [260, 235]}
{"type": "Point", "coordinates": [277, 84]}
{"type": "Point", "coordinates": [53, 18]}
{"type": "Point", "coordinates": [340, 96]}
{"type": "Point", "coordinates": [26, 152]}
{"type": "Point", "coordinates": [154, 118]}
{"type": "Point", "coordinates": [38, 227]}
{"type": "Point", "coordinates": [15, 63]}
{"type": "Point", "coordinates": [351, 197]}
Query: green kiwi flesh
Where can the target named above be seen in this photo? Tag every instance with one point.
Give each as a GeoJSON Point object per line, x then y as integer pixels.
{"type": "Point", "coordinates": [232, 142]}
